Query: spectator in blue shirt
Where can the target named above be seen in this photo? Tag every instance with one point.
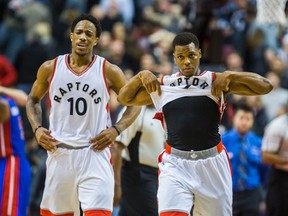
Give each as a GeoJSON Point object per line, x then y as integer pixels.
{"type": "Point", "coordinates": [244, 149]}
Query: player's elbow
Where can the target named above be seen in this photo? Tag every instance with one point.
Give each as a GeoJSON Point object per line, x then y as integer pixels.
{"type": "Point", "coordinates": [269, 86]}
{"type": "Point", "coordinates": [123, 100]}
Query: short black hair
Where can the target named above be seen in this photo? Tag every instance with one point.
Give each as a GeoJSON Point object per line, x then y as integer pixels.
{"type": "Point", "coordinates": [242, 105]}
{"type": "Point", "coordinates": [90, 18]}
{"type": "Point", "coordinates": [185, 38]}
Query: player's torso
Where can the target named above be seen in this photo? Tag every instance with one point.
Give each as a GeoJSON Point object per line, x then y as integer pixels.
{"type": "Point", "coordinates": [79, 101]}
{"type": "Point", "coordinates": [192, 117]}
{"type": "Point", "coordinates": [11, 133]}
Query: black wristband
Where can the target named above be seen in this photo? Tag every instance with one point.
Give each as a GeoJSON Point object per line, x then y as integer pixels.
{"type": "Point", "coordinates": [117, 129]}
{"type": "Point", "coordinates": [37, 128]}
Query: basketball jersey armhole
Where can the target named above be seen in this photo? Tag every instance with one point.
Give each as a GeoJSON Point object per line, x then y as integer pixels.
{"type": "Point", "coordinates": [53, 71]}
{"type": "Point", "coordinates": [104, 76]}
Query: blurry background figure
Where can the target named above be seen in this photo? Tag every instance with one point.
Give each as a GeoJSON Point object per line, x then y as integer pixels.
{"type": "Point", "coordinates": [147, 62]}
{"type": "Point", "coordinates": [15, 172]}
{"type": "Point", "coordinates": [28, 60]}
{"type": "Point", "coordinates": [244, 150]}
{"type": "Point", "coordinates": [104, 43]}
{"type": "Point", "coordinates": [275, 100]}
{"type": "Point", "coordinates": [17, 26]}
{"type": "Point", "coordinates": [8, 75]}
{"type": "Point", "coordinates": [127, 11]}
{"type": "Point", "coordinates": [260, 115]}
{"type": "Point", "coordinates": [271, 21]}
{"type": "Point", "coordinates": [142, 142]}
{"type": "Point", "coordinates": [265, 32]}
{"type": "Point", "coordinates": [275, 153]}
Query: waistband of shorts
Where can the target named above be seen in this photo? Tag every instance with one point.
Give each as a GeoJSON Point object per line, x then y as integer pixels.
{"type": "Point", "coordinates": [195, 155]}
{"type": "Point", "coordinates": [66, 146]}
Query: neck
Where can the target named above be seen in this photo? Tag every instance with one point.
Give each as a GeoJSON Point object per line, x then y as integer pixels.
{"type": "Point", "coordinates": [80, 60]}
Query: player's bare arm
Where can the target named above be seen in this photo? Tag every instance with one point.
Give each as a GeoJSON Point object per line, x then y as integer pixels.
{"type": "Point", "coordinates": [137, 90]}
{"type": "Point", "coordinates": [5, 111]}
{"type": "Point", "coordinates": [19, 96]}
{"type": "Point", "coordinates": [274, 159]}
{"type": "Point", "coordinates": [33, 106]}
{"type": "Point", "coordinates": [116, 80]}
{"type": "Point", "coordinates": [242, 83]}
{"type": "Point", "coordinates": [116, 151]}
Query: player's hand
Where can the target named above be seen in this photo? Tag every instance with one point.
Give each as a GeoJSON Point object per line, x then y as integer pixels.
{"type": "Point", "coordinates": [44, 138]}
{"type": "Point", "coordinates": [104, 139]}
{"type": "Point", "coordinates": [220, 84]}
{"type": "Point", "coordinates": [150, 81]}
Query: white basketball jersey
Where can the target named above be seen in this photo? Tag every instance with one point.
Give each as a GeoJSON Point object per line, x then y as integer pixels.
{"type": "Point", "coordinates": [175, 86]}
{"type": "Point", "coordinates": [79, 102]}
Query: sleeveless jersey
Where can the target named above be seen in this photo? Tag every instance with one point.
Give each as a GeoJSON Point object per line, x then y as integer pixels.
{"type": "Point", "coordinates": [191, 113]}
{"type": "Point", "coordinates": [11, 132]}
{"type": "Point", "coordinates": [79, 102]}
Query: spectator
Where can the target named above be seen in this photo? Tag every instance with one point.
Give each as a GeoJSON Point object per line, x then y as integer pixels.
{"type": "Point", "coordinates": [8, 75]}
{"type": "Point", "coordinates": [274, 102]}
{"type": "Point", "coordinates": [275, 153]}
{"type": "Point", "coordinates": [125, 7]}
{"type": "Point", "coordinates": [244, 149]}
{"type": "Point", "coordinates": [27, 62]}
{"type": "Point", "coordinates": [142, 142]}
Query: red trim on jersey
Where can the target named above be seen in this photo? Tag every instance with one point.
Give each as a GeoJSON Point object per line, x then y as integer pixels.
{"type": "Point", "coordinates": [7, 145]}
{"type": "Point", "coordinates": [173, 213]}
{"type": "Point", "coordinates": [213, 76]}
{"type": "Point", "coordinates": [104, 76]}
{"type": "Point", "coordinates": [11, 202]}
{"type": "Point", "coordinates": [159, 116]}
{"type": "Point", "coordinates": [161, 80]}
{"type": "Point", "coordinates": [44, 212]}
{"type": "Point", "coordinates": [178, 74]}
{"type": "Point", "coordinates": [97, 212]}
{"type": "Point", "coordinates": [16, 187]}
{"type": "Point", "coordinates": [220, 147]}
{"type": "Point", "coordinates": [111, 159]}
{"type": "Point", "coordinates": [5, 192]}
{"type": "Point", "coordinates": [53, 71]}
{"type": "Point", "coordinates": [48, 100]}
{"type": "Point", "coordinates": [221, 108]}
{"type": "Point", "coordinates": [228, 158]}
{"type": "Point", "coordinates": [202, 73]}
{"type": "Point", "coordinates": [82, 72]}
{"type": "Point", "coordinates": [168, 148]}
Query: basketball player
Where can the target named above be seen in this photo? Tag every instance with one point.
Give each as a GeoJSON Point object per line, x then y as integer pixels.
{"type": "Point", "coordinates": [194, 168]}
{"type": "Point", "coordinates": [15, 171]}
{"type": "Point", "coordinates": [78, 165]}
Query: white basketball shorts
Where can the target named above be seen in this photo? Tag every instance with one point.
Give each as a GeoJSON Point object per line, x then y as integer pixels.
{"type": "Point", "coordinates": [204, 183]}
{"type": "Point", "coordinates": [76, 176]}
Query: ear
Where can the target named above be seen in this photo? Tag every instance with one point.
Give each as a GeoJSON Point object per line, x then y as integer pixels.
{"type": "Point", "coordinates": [174, 57]}
{"type": "Point", "coordinates": [96, 41]}
{"type": "Point", "coordinates": [71, 36]}
{"type": "Point", "coordinates": [200, 53]}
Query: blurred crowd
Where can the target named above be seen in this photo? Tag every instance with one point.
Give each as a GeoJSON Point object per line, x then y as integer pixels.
{"type": "Point", "coordinates": [236, 35]}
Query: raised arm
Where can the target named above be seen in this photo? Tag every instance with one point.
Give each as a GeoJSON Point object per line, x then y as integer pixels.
{"type": "Point", "coordinates": [116, 80]}
{"type": "Point", "coordinates": [137, 90]}
{"type": "Point", "coordinates": [242, 83]}
{"type": "Point", "coordinates": [33, 106]}
{"type": "Point", "coordinates": [19, 96]}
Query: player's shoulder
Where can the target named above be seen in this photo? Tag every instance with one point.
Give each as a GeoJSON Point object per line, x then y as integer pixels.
{"type": "Point", "coordinates": [49, 64]}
